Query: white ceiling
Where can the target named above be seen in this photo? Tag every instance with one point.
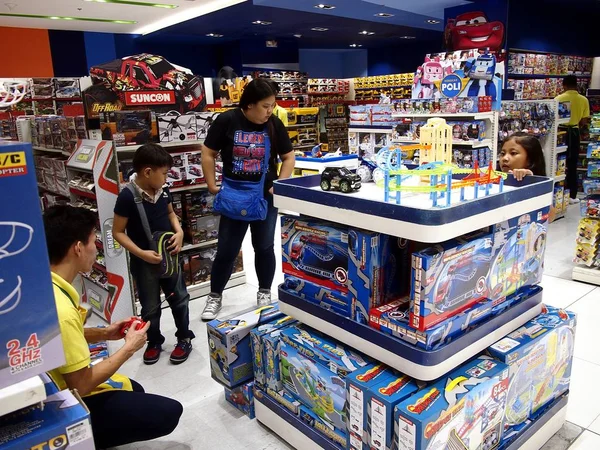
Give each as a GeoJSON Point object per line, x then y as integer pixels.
{"type": "Point", "coordinates": [148, 19]}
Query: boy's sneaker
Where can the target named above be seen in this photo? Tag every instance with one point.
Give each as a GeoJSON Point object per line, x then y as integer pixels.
{"type": "Point", "coordinates": [263, 297]}
{"type": "Point", "coordinates": [182, 351]}
{"type": "Point", "coordinates": [573, 201]}
{"type": "Point", "coordinates": [152, 354]}
{"type": "Point", "coordinates": [213, 306]}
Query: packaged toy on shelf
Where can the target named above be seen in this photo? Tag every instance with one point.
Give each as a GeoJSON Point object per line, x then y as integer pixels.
{"type": "Point", "coordinates": [539, 355]}
{"type": "Point", "coordinates": [271, 345]}
{"type": "Point", "coordinates": [593, 170]}
{"type": "Point", "coordinates": [593, 150]}
{"type": "Point", "coordinates": [586, 254]}
{"type": "Point", "coordinates": [231, 361]}
{"type": "Point", "coordinates": [561, 164]}
{"type": "Point", "coordinates": [314, 370]}
{"type": "Point", "coordinates": [326, 298]}
{"type": "Point", "coordinates": [558, 199]}
{"type": "Point", "coordinates": [257, 336]}
{"type": "Point", "coordinates": [464, 410]}
{"type": "Point", "coordinates": [309, 417]}
{"type": "Point", "coordinates": [242, 397]}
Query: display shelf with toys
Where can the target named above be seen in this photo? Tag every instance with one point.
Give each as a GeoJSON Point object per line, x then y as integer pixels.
{"type": "Point", "coordinates": [371, 88]}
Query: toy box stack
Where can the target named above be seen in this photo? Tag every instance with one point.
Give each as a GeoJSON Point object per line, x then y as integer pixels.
{"type": "Point", "coordinates": [539, 355]}
{"type": "Point", "coordinates": [463, 410]}
{"type": "Point", "coordinates": [29, 331]}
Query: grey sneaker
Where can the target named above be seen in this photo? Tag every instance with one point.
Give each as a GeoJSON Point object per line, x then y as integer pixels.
{"type": "Point", "coordinates": [263, 297]}
{"type": "Point", "coordinates": [213, 306]}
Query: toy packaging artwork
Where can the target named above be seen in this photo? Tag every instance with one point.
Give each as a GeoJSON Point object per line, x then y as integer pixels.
{"type": "Point", "coordinates": [63, 422]}
{"type": "Point", "coordinates": [229, 344]}
{"type": "Point", "coordinates": [539, 355]}
{"type": "Point", "coordinates": [242, 397]}
{"type": "Point", "coordinates": [326, 298]}
{"type": "Point", "coordinates": [129, 127]}
{"type": "Point", "coordinates": [309, 417]}
{"type": "Point", "coordinates": [463, 410]}
{"type": "Point", "coordinates": [30, 341]}
{"type": "Point", "coordinates": [314, 370]}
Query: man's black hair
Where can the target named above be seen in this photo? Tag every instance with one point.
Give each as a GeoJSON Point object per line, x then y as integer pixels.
{"type": "Point", "coordinates": [151, 155]}
{"type": "Point", "coordinates": [570, 81]}
{"type": "Point", "coordinates": [64, 226]}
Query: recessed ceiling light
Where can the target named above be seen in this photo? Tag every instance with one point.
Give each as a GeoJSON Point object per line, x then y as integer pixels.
{"type": "Point", "coordinates": [324, 6]}
{"type": "Point", "coordinates": [261, 22]}
{"type": "Point", "coordinates": [135, 3]}
{"type": "Point", "coordinates": [298, 36]}
{"type": "Point", "coordinates": [355, 45]}
{"type": "Point", "coordinates": [433, 21]}
{"type": "Point", "coordinates": [407, 37]}
{"type": "Point", "coordinates": [85, 19]}
{"type": "Point", "coordinates": [214, 35]}
{"type": "Point", "coordinates": [319, 29]}
{"type": "Point", "coordinates": [384, 15]}
{"type": "Point", "coordinates": [366, 33]}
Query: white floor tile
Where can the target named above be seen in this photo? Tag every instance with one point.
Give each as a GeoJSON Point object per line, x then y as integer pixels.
{"type": "Point", "coordinates": [595, 426]}
{"type": "Point", "coordinates": [584, 399]}
{"type": "Point", "coordinates": [563, 293]}
{"type": "Point", "coordinates": [587, 441]}
{"type": "Point", "coordinates": [586, 337]}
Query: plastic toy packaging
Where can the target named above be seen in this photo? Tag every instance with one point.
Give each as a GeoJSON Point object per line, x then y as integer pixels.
{"type": "Point", "coordinates": [586, 254]}
{"type": "Point", "coordinates": [561, 165]}
{"type": "Point", "coordinates": [593, 150]}
{"type": "Point", "coordinates": [588, 231]}
{"type": "Point", "coordinates": [590, 207]}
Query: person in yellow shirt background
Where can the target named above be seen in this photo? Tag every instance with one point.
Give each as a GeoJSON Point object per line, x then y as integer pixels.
{"type": "Point", "coordinates": [580, 112]}
{"type": "Point", "coordinates": [120, 411]}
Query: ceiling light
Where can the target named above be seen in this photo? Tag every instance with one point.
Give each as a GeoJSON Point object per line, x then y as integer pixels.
{"type": "Point", "coordinates": [85, 19]}
{"type": "Point", "coordinates": [323, 6]}
{"type": "Point", "coordinates": [319, 29]}
{"type": "Point", "coordinates": [407, 37]}
{"type": "Point", "coordinates": [384, 15]}
{"type": "Point", "coordinates": [298, 36]}
{"type": "Point", "coordinates": [261, 22]}
{"type": "Point", "coordinates": [366, 33]}
{"type": "Point", "coordinates": [433, 21]}
{"type": "Point", "coordinates": [214, 35]}
{"type": "Point", "coordinates": [135, 3]}
{"type": "Point", "coordinates": [355, 45]}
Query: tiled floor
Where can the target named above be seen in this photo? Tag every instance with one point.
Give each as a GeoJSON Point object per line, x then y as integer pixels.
{"type": "Point", "coordinates": [209, 422]}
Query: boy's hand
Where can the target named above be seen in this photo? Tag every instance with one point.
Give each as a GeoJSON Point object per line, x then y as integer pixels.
{"type": "Point", "coordinates": [176, 242]}
{"type": "Point", "coordinates": [519, 174]}
{"type": "Point", "coordinates": [151, 257]}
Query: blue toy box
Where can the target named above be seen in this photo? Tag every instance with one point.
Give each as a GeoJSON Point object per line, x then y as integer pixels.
{"type": "Point", "coordinates": [231, 361]}
{"type": "Point", "coordinates": [539, 355]}
{"type": "Point", "coordinates": [327, 298]}
{"type": "Point", "coordinates": [358, 384]}
{"type": "Point", "coordinates": [315, 251]}
{"type": "Point", "coordinates": [310, 418]}
{"type": "Point", "coordinates": [314, 370]}
{"type": "Point", "coordinates": [257, 336]}
{"type": "Point", "coordinates": [30, 339]}
{"type": "Point", "coordinates": [593, 150]}
{"type": "Point", "coordinates": [449, 278]}
{"type": "Point", "coordinates": [383, 398]}
{"type": "Point", "coordinates": [463, 410]}
{"type": "Point", "coordinates": [271, 345]}
{"type": "Point", "coordinates": [242, 397]}
{"type": "Point", "coordinates": [285, 399]}
{"type": "Point", "coordinates": [63, 423]}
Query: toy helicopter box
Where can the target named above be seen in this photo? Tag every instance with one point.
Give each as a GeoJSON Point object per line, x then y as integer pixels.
{"type": "Point", "coordinates": [30, 341]}
{"type": "Point", "coordinates": [175, 127]}
{"type": "Point", "coordinates": [257, 336]}
{"type": "Point", "coordinates": [229, 344]}
{"type": "Point", "coordinates": [315, 251]}
{"type": "Point", "coordinates": [314, 370]}
{"type": "Point", "coordinates": [308, 416]}
{"type": "Point", "coordinates": [242, 397]}
{"type": "Point", "coordinates": [449, 278]}
{"type": "Point", "coordinates": [462, 410]}
{"type": "Point", "coordinates": [358, 384]}
{"type": "Point", "coordinates": [383, 398]}
{"type": "Point", "coordinates": [63, 422]}
{"type": "Point", "coordinates": [329, 299]}
{"type": "Point", "coordinates": [539, 355]}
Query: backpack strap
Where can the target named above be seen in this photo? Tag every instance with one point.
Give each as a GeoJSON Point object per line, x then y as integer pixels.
{"type": "Point", "coordinates": [142, 213]}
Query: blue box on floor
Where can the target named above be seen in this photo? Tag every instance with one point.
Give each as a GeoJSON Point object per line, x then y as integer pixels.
{"type": "Point", "coordinates": [257, 337]}
{"type": "Point", "coordinates": [229, 343]}
{"type": "Point", "coordinates": [242, 397]}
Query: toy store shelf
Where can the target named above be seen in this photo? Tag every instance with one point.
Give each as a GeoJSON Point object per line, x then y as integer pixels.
{"type": "Point", "coordinates": [82, 193]}
{"type": "Point", "coordinates": [349, 161]}
{"type": "Point", "coordinates": [302, 125]}
{"type": "Point", "coordinates": [562, 149]}
{"type": "Point", "coordinates": [52, 150]}
{"type": "Point", "coordinates": [370, 128]}
{"type": "Point", "coordinates": [288, 426]}
{"type": "Point", "coordinates": [407, 358]}
{"type": "Point", "coordinates": [44, 188]}
{"type": "Point", "coordinates": [21, 395]}
{"type": "Point", "coordinates": [474, 116]}
{"type": "Point", "coordinates": [543, 76]}
{"type": "Point", "coordinates": [370, 88]}
{"type": "Point", "coordinates": [564, 121]}
{"type": "Point", "coordinates": [187, 247]}
{"type": "Point", "coordinates": [470, 143]}
{"type": "Point", "coordinates": [203, 289]}
{"type": "Point", "coordinates": [419, 222]}
{"type": "Point", "coordinates": [586, 274]}
{"type": "Point", "coordinates": [189, 187]}
{"type": "Point", "coordinates": [132, 148]}
{"type": "Point", "coordinates": [560, 177]}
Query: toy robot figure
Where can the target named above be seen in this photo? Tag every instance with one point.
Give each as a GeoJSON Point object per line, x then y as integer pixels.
{"type": "Point", "coordinates": [432, 72]}
{"type": "Point", "coordinates": [481, 71]}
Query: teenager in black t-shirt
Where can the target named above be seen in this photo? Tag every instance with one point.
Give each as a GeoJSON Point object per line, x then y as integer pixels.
{"type": "Point", "coordinates": [239, 136]}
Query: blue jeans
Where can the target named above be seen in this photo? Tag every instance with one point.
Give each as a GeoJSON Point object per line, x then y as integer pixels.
{"type": "Point", "coordinates": [149, 286]}
{"type": "Point", "coordinates": [231, 236]}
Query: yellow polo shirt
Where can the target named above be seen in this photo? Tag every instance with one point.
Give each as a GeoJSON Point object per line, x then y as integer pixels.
{"type": "Point", "coordinates": [281, 113]}
{"type": "Point", "coordinates": [580, 106]}
{"type": "Point", "coordinates": [71, 317]}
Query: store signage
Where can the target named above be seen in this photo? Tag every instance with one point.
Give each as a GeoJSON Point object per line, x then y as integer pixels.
{"type": "Point", "coordinates": [451, 86]}
{"type": "Point", "coordinates": [134, 98]}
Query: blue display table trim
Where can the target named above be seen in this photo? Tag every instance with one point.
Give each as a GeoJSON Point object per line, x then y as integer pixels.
{"type": "Point", "coordinates": [326, 160]}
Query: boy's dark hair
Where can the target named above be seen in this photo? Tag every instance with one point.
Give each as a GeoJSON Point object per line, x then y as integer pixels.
{"type": "Point", "coordinates": [64, 226]}
{"type": "Point", "coordinates": [535, 154]}
{"type": "Point", "coordinates": [570, 81]}
{"type": "Point", "coordinates": [151, 155]}
{"type": "Point", "coordinates": [257, 90]}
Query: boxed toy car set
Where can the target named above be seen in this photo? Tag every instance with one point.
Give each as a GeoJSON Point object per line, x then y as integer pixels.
{"type": "Point", "coordinates": [464, 409]}
{"type": "Point", "coordinates": [129, 127]}
{"type": "Point", "coordinates": [229, 344]}
{"type": "Point", "coordinates": [242, 397]}
{"type": "Point", "coordinates": [539, 355]}
{"type": "Point", "coordinates": [314, 370]}
{"type": "Point", "coordinates": [330, 299]}
{"type": "Point", "coordinates": [30, 341]}
{"type": "Point", "coordinates": [201, 229]}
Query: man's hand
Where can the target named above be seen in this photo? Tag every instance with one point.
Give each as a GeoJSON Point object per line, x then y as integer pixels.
{"type": "Point", "coordinates": [214, 190]}
{"type": "Point", "coordinates": [151, 257]}
{"type": "Point", "coordinates": [113, 331]}
{"type": "Point", "coordinates": [136, 339]}
{"type": "Point", "coordinates": [519, 174]}
{"type": "Point", "coordinates": [271, 191]}
{"type": "Point", "coordinates": [176, 242]}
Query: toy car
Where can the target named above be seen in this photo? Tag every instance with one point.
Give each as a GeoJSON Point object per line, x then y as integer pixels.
{"type": "Point", "coordinates": [340, 178]}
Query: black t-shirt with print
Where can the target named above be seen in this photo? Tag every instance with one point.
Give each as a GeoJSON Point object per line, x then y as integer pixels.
{"type": "Point", "coordinates": [242, 146]}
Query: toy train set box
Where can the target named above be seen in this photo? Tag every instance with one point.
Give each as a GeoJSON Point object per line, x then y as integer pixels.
{"type": "Point", "coordinates": [314, 370]}
{"type": "Point", "coordinates": [30, 341]}
{"type": "Point", "coordinates": [463, 410]}
{"type": "Point", "coordinates": [242, 397]}
{"type": "Point", "coordinates": [231, 361]}
{"type": "Point", "coordinates": [539, 355]}
{"type": "Point", "coordinates": [326, 298]}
